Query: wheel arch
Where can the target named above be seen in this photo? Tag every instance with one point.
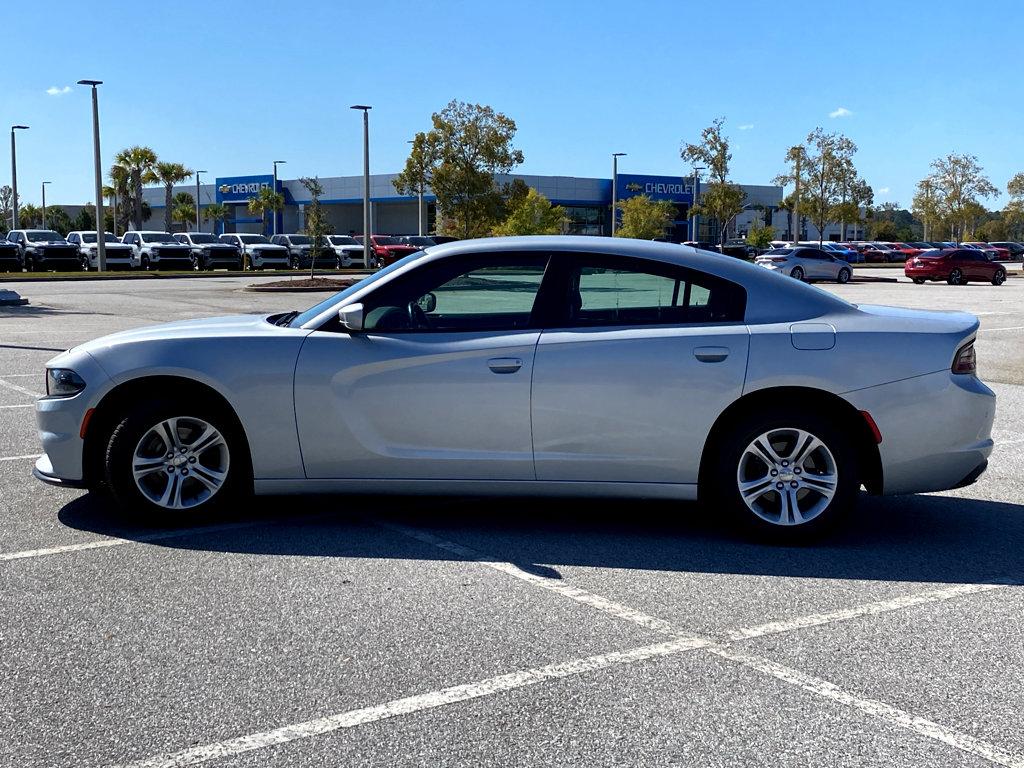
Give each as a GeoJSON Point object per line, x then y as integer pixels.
{"type": "Point", "coordinates": [113, 407]}
{"type": "Point", "coordinates": [809, 398]}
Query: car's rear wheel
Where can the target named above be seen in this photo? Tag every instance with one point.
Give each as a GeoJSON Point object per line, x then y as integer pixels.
{"type": "Point", "coordinates": [955, 278]}
{"type": "Point", "coordinates": [786, 476]}
{"type": "Point", "coordinates": [797, 272]}
{"type": "Point", "coordinates": [919, 281]}
{"type": "Point", "coordinates": [999, 277]}
{"type": "Point", "coordinates": [170, 460]}
{"type": "Point", "coordinates": [844, 276]}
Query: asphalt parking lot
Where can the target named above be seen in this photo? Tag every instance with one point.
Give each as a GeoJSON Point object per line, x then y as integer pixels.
{"type": "Point", "coordinates": [408, 631]}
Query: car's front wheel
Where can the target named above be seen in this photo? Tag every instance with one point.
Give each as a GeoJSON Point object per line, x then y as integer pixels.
{"type": "Point", "coordinates": [844, 276]}
{"type": "Point", "coordinates": [999, 277]}
{"type": "Point", "coordinates": [797, 272]}
{"type": "Point", "coordinates": [919, 281]}
{"type": "Point", "coordinates": [955, 278]}
{"type": "Point", "coordinates": [170, 460]}
{"type": "Point", "coordinates": [787, 475]}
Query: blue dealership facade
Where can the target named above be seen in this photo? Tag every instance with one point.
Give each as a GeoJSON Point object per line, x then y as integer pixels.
{"type": "Point", "coordinates": [587, 202]}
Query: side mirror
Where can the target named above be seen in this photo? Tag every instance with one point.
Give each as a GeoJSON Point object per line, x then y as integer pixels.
{"type": "Point", "coordinates": [427, 302]}
{"type": "Point", "coordinates": [351, 317]}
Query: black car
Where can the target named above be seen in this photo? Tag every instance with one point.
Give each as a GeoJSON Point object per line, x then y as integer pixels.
{"type": "Point", "coordinates": [10, 257]}
{"type": "Point", "coordinates": [1016, 249]}
{"type": "Point", "coordinates": [45, 250]}
{"type": "Point", "coordinates": [208, 252]}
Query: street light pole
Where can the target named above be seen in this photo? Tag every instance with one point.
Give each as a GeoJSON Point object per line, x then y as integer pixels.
{"type": "Point", "coordinates": [274, 213]}
{"type": "Point", "coordinates": [366, 181]}
{"type": "Point", "coordinates": [694, 220]}
{"type": "Point", "coordinates": [101, 235]}
{"type": "Point", "coordinates": [198, 225]}
{"type": "Point", "coordinates": [419, 196]}
{"type": "Point", "coordinates": [615, 185]}
{"type": "Point", "coordinates": [14, 176]}
{"type": "Point", "coordinates": [43, 185]}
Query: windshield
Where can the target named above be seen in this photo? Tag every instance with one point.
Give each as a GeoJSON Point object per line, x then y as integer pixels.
{"type": "Point", "coordinates": [202, 237]}
{"type": "Point", "coordinates": [253, 238]}
{"type": "Point", "coordinates": [159, 237]}
{"type": "Point", "coordinates": [343, 240]}
{"type": "Point", "coordinates": [90, 237]}
{"type": "Point", "coordinates": [299, 240]}
{"type": "Point", "coordinates": [780, 251]}
{"type": "Point", "coordinates": [339, 298]}
{"type": "Point", "coordinates": [386, 240]}
{"type": "Point", "coordinates": [41, 236]}
{"type": "Point", "coordinates": [420, 240]}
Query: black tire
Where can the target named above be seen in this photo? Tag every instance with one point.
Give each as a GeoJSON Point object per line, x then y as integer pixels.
{"type": "Point", "coordinates": [85, 264]}
{"type": "Point", "coordinates": [130, 430]}
{"type": "Point", "coordinates": [797, 273]}
{"type": "Point", "coordinates": [919, 281]}
{"type": "Point", "coordinates": [722, 482]}
{"type": "Point", "coordinates": [145, 262]}
{"type": "Point", "coordinates": [196, 263]}
{"type": "Point", "coordinates": [956, 277]}
{"type": "Point", "coordinates": [293, 263]}
{"type": "Point", "coordinates": [844, 276]}
{"type": "Point", "coordinates": [999, 277]}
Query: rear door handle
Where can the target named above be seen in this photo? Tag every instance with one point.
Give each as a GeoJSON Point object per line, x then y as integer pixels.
{"type": "Point", "coordinates": [711, 354]}
{"type": "Point", "coordinates": [505, 365]}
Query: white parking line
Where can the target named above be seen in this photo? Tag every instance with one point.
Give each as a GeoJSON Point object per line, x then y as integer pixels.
{"type": "Point", "coordinates": [882, 710]}
{"type": "Point", "coordinates": [19, 406]}
{"type": "Point", "coordinates": [1006, 328]}
{"type": "Point", "coordinates": [20, 389]}
{"type": "Point", "coordinates": [219, 750]}
{"type": "Point", "coordinates": [21, 456]}
{"type": "Point", "coordinates": [417, 703]}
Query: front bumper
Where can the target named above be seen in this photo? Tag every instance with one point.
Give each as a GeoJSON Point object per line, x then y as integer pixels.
{"type": "Point", "coordinates": [43, 470]}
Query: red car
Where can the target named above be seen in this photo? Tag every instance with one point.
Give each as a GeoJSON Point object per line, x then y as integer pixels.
{"type": "Point", "coordinates": [386, 250]}
{"type": "Point", "coordinates": [1002, 254]}
{"type": "Point", "coordinates": [906, 249]}
{"type": "Point", "coordinates": [956, 266]}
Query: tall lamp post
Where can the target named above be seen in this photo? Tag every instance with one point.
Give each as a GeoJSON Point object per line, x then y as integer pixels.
{"type": "Point", "coordinates": [101, 236]}
{"type": "Point", "coordinates": [419, 197]}
{"type": "Point", "coordinates": [276, 164]}
{"type": "Point", "coordinates": [43, 185]}
{"type": "Point", "coordinates": [694, 221]}
{"type": "Point", "coordinates": [198, 225]}
{"type": "Point", "coordinates": [366, 181]}
{"type": "Point", "coordinates": [615, 185]}
{"type": "Point", "coordinates": [14, 176]}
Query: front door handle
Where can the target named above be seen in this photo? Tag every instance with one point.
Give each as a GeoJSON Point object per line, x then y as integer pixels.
{"type": "Point", "coordinates": [504, 365]}
{"type": "Point", "coordinates": [711, 354]}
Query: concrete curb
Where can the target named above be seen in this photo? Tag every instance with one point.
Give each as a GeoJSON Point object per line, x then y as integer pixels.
{"type": "Point", "coordinates": [296, 290]}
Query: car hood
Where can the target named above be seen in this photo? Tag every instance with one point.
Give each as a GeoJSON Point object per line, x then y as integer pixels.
{"type": "Point", "coordinates": [226, 326]}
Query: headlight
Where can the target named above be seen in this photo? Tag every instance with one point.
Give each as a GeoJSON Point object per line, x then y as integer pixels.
{"type": "Point", "coordinates": [62, 382]}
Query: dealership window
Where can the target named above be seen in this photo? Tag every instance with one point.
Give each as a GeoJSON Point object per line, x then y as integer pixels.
{"type": "Point", "coordinates": [585, 220]}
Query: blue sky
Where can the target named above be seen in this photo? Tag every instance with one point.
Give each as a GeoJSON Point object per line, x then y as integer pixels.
{"type": "Point", "coordinates": [229, 87]}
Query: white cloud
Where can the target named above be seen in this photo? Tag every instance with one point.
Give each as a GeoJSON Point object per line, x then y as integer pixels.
{"type": "Point", "coordinates": [746, 126]}
{"type": "Point", "coordinates": [840, 112]}
{"type": "Point", "coordinates": [883, 190]}
{"type": "Point", "coordinates": [57, 91]}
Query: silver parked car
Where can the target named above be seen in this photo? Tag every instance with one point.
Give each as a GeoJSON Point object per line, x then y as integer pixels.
{"type": "Point", "coordinates": [542, 365]}
{"type": "Point", "coordinates": [806, 263]}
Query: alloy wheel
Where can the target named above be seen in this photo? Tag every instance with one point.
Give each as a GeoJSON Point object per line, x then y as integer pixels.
{"type": "Point", "coordinates": [787, 476]}
{"type": "Point", "coordinates": [180, 462]}
{"type": "Point", "coordinates": [797, 273]}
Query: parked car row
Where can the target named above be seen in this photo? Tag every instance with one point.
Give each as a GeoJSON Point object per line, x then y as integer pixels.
{"type": "Point", "coordinates": [43, 250]}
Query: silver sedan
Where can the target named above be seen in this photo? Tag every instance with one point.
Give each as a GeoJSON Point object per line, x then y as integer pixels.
{"type": "Point", "coordinates": [806, 263]}
{"type": "Point", "coordinates": [545, 365]}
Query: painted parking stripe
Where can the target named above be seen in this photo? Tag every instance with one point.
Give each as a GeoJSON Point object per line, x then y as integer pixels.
{"type": "Point", "coordinates": [20, 456]}
{"type": "Point", "coordinates": [20, 389]}
{"type": "Point", "coordinates": [828, 690]}
{"type": "Point", "coordinates": [19, 406]}
{"type": "Point", "coordinates": [417, 703]}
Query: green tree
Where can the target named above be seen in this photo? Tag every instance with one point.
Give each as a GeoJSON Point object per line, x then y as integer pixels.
{"type": "Point", "coordinates": [6, 207]}
{"type": "Point", "coordinates": [1013, 214]}
{"type": "Point", "coordinates": [264, 202]}
{"type": "Point", "coordinates": [827, 164]}
{"type": "Point", "coordinates": [216, 212]}
{"type": "Point", "coordinates": [183, 209]}
{"type": "Point", "coordinates": [643, 218]}
{"type": "Point", "coordinates": [959, 181]}
{"type": "Point", "coordinates": [533, 215]}
{"type": "Point", "coordinates": [760, 236]}
{"type": "Point", "coordinates": [29, 215]}
{"type": "Point", "coordinates": [169, 174]}
{"type": "Point", "coordinates": [855, 198]}
{"type": "Point", "coordinates": [57, 219]}
{"type": "Point", "coordinates": [468, 145]}
{"type": "Point", "coordinates": [926, 207]}
{"type": "Point", "coordinates": [317, 227]}
{"type": "Point", "coordinates": [134, 166]}
{"type": "Point", "coordinates": [720, 199]}
{"type": "Point", "coordinates": [86, 219]}
{"type": "Point", "coordinates": [994, 230]}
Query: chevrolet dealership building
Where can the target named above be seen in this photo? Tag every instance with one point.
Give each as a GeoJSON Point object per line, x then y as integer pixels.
{"type": "Point", "coordinates": [587, 202]}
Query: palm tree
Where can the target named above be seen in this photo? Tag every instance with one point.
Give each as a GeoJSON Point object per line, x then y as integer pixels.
{"type": "Point", "coordinates": [29, 215]}
{"type": "Point", "coordinates": [169, 174]}
{"type": "Point", "coordinates": [216, 212]}
{"type": "Point", "coordinates": [183, 209]}
{"type": "Point", "coordinates": [266, 200]}
{"type": "Point", "coordinates": [137, 164]}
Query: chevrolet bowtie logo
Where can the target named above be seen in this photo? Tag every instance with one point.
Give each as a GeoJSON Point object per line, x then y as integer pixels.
{"type": "Point", "coordinates": [225, 189]}
{"type": "Point", "coordinates": [634, 187]}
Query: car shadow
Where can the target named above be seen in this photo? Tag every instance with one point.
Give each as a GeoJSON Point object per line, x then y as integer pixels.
{"type": "Point", "coordinates": [922, 538]}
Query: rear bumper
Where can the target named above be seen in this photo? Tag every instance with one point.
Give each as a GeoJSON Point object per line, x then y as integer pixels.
{"type": "Point", "coordinates": [936, 430]}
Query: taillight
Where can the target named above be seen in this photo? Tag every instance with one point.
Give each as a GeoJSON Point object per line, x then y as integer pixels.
{"type": "Point", "coordinates": [966, 361]}
{"type": "Point", "coordinates": [779, 260]}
